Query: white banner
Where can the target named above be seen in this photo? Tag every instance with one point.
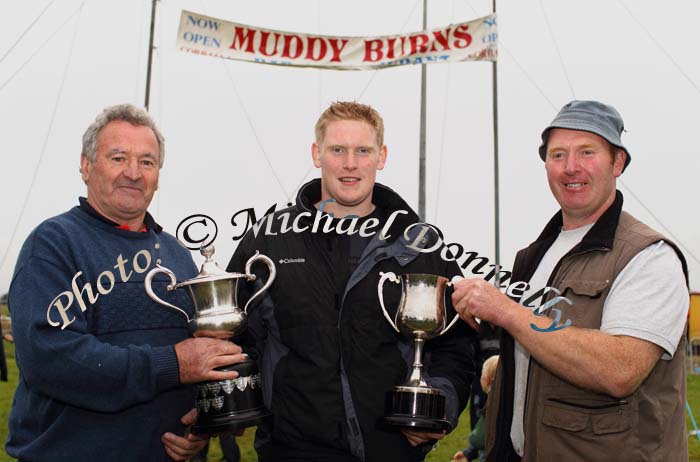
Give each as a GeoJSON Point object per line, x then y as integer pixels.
{"type": "Point", "coordinates": [468, 41]}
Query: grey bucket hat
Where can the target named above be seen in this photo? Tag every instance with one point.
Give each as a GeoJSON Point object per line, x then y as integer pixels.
{"type": "Point", "coordinates": [589, 116]}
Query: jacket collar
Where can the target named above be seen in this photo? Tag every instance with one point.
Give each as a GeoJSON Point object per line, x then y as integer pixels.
{"type": "Point", "coordinates": [149, 222]}
{"type": "Point", "coordinates": [382, 196]}
{"type": "Point", "coordinates": [601, 235]}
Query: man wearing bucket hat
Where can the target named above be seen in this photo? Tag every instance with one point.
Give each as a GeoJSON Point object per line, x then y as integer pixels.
{"type": "Point", "coordinates": [604, 380]}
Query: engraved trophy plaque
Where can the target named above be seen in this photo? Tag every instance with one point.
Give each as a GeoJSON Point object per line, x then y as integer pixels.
{"type": "Point", "coordinates": [223, 405]}
{"type": "Point", "coordinates": [420, 316]}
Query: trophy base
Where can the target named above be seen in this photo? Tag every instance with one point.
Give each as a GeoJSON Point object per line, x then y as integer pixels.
{"type": "Point", "coordinates": [422, 408]}
{"type": "Point", "coordinates": [230, 405]}
{"type": "Point", "coordinates": [230, 423]}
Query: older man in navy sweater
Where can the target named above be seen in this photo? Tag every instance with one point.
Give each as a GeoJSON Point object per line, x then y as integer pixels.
{"type": "Point", "coordinates": [102, 367]}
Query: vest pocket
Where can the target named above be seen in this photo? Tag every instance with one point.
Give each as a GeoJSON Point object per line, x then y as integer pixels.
{"type": "Point", "coordinates": [608, 417]}
{"type": "Point", "coordinates": [564, 419]}
{"type": "Point", "coordinates": [611, 423]}
{"type": "Point", "coordinates": [601, 417]}
{"type": "Point", "coordinates": [591, 289]}
{"type": "Point", "coordinates": [586, 304]}
{"type": "Point", "coordinates": [588, 429]}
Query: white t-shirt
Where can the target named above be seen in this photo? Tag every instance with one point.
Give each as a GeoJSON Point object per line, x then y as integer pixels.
{"type": "Point", "coordinates": [648, 300]}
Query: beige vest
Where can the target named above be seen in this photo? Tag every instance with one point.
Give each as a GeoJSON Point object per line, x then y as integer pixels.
{"type": "Point", "coordinates": [566, 423]}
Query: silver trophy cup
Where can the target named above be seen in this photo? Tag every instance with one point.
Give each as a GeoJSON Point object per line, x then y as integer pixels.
{"type": "Point", "coordinates": [420, 316]}
{"type": "Point", "coordinates": [223, 405]}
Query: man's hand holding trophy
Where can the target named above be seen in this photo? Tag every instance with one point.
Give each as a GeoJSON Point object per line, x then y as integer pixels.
{"type": "Point", "coordinates": [232, 404]}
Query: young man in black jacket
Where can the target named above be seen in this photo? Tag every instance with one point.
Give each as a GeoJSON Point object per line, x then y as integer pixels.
{"type": "Point", "coordinates": [327, 354]}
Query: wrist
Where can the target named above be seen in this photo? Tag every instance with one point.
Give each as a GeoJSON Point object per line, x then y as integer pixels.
{"type": "Point", "coordinates": [511, 316]}
{"type": "Point", "coordinates": [166, 367]}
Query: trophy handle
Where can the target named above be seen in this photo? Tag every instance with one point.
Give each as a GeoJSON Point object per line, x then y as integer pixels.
{"type": "Point", "coordinates": [149, 290]}
{"type": "Point", "coordinates": [380, 291]}
{"type": "Point", "coordinates": [454, 320]}
{"type": "Point", "coordinates": [251, 277]}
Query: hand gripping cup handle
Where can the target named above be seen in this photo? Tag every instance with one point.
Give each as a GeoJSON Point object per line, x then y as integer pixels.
{"type": "Point", "coordinates": [172, 286]}
{"type": "Point", "coordinates": [455, 279]}
{"type": "Point", "coordinates": [392, 278]}
{"type": "Point", "coordinates": [251, 277]}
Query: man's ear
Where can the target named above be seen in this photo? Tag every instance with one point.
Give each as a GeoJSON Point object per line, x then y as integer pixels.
{"type": "Point", "coordinates": [316, 155]}
{"type": "Point", "coordinates": [84, 168]}
{"type": "Point", "coordinates": [382, 157]}
{"type": "Point", "coordinates": [619, 162]}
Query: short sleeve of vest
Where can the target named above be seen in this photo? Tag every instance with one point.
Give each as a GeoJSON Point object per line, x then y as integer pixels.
{"type": "Point", "coordinates": [649, 299]}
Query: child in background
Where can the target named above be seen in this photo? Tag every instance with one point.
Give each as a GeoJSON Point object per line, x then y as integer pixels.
{"type": "Point", "coordinates": [476, 437]}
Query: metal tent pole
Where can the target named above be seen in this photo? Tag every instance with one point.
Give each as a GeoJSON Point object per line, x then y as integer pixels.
{"type": "Point", "coordinates": [421, 155]}
{"type": "Point", "coordinates": [150, 54]}
{"type": "Point", "coordinates": [496, 192]}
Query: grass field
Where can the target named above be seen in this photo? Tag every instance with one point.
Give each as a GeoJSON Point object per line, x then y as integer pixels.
{"type": "Point", "coordinates": [443, 452]}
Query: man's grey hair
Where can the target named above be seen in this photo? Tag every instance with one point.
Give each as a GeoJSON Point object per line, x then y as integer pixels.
{"type": "Point", "coordinates": [128, 113]}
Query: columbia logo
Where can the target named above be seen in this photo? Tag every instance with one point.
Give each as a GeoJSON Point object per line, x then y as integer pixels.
{"type": "Point", "coordinates": [291, 260]}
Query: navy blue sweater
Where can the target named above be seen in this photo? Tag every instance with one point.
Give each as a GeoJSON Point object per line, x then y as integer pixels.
{"type": "Point", "coordinates": [99, 378]}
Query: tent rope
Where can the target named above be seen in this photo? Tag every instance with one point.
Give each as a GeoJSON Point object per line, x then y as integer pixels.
{"type": "Point", "coordinates": [56, 31]}
{"type": "Point", "coordinates": [21, 36]}
{"type": "Point", "coordinates": [660, 47]}
{"type": "Point", "coordinates": [45, 144]}
{"type": "Point", "coordinates": [556, 47]}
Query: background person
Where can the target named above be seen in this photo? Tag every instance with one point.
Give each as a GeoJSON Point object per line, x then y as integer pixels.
{"type": "Point", "coordinates": [477, 437]}
{"type": "Point", "coordinates": [486, 347]}
{"type": "Point", "coordinates": [3, 360]}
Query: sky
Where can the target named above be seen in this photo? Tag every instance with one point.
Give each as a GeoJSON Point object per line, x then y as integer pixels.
{"type": "Point", "coordinates": [239, 135]}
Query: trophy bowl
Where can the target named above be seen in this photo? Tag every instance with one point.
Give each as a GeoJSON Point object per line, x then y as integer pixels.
{"type": "Point", "coordinates": [222, 405]}
{"type": "Point", "coordinates": [421, 316]}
